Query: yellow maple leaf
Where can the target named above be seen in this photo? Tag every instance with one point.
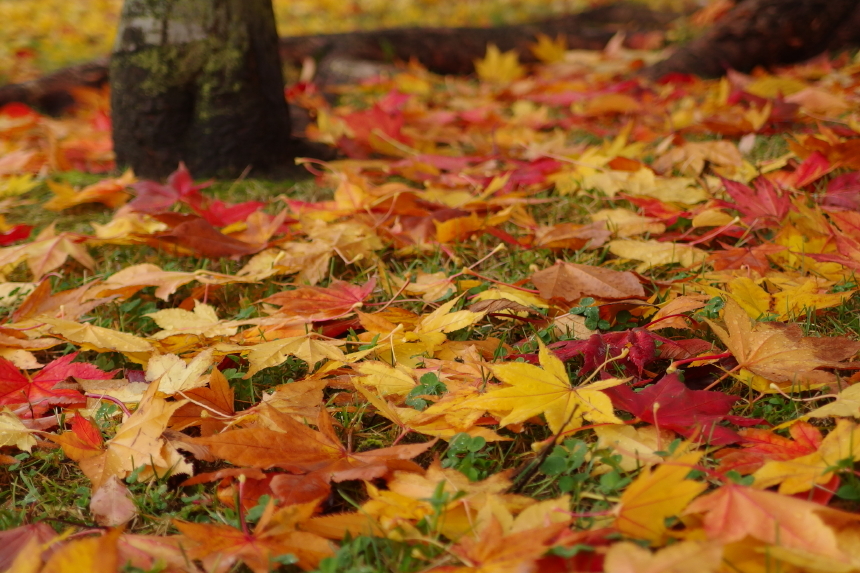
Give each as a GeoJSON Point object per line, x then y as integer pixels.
{"type": "Point", "coordinates": [175, 375]}
{"type": "Point", "coordinates": [203, 321]}
{"type": "Point", "coordinates": [13, 432]}
{"type": "Point", "coordinates": [655, 253]}
{"type": "Point", "coordinates": [548, 50]}
{"type": "Point", "coordinates": [531, 391]}
{"type": "Point", "coordinates": [656, 495]}
{"type": "Point", "coordinates": [137, 443]}
{"type": "Point", "coordinates": [497, 66]}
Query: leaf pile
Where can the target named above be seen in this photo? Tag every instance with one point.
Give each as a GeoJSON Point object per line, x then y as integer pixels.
{"type": "Point", "coordinates": [548, 319]}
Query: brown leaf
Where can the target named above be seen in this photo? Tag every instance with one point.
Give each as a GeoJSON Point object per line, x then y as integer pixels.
{"type": "Point", "coordinates": [111, 504]}
{"type": "Point", "coordinates": [205, 240]}
{"type": "Point", "coordinates": [298, 448]}
{"type": "Point", "coordinates": [570, 282]}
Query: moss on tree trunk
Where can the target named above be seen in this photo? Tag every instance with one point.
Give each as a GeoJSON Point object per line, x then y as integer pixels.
{"type": "Point", "coordinates": [198, 81]}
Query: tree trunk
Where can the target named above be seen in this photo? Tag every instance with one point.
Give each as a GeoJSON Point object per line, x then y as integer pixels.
{"type": "Point", "coordinates": [765, 33]}
{"type": "Point", "coordinates": [198, 81]}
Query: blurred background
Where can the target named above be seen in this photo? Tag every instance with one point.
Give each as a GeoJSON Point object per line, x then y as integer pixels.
{"type": "Point", "coordinates": [38, 36]}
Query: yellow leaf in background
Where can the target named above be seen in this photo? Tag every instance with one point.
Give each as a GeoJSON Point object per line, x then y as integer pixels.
{"type": "Point", "coordinates": [505, 292]}
{"type": "Point", "coordinates": [91, 337]}
{"type": "Point", "coordinates": [626, 223]}
{"type": "Point", "coordinates": [110, 192]}
{"type": "Point", "coordinates": [655, 253]}
{"type": "Point", "coordinates": [548, 50]}
{"type": "Point", "coordinates": [636, 446]}
{"type": "Point", "coordinates": [13, 432]}
{"type": "Point", "coordinates": [803, 473]}
{"type": "Point", "coordinates": [16, 185]}
{"type": "Point", "coordinates": [772, 86]}
{"type": "Point", "coordinates": [690, 157]}
{"type": "Point", "coordinates": [126, 228]}
{"type": "Point", "coordinates": [656, 495]}
{"type": "Point", "coordinates": [275, 352]}
{"type": "Point", "coordinates": [531, 391]}
{"type": "Point", "coordinates": [499, 67]}
{"type": "Point", "coordinates": [202, 321]}
{"type": "Point", "coordinates": [175, 375]}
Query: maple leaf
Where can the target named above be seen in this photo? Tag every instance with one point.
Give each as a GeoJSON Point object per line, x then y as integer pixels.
{"type": "Point", "coordinates": [100, 339]}
{"type": "Point", "coordinates": [47, 252]}
{"type": "Point", "coordinates": [277, 533]}
{"type": "Point", "coordinates": [570, 282]}
{"type": "Point", "coordinates": [13, 432]}
{"type": "Point", "coordinates": [197, 236]}
{"type": "Point", "coordinates": [670, 405]}
{"type": "Point", "coordinates": [39, 391]}
{"type": "Point", "coordinates": [174, 375]}
{"type": "Point", "coordinates": [138, 445]}
{"type": "Point", "coordinates": [760, 446]}
{"type": "Point", "coordinates": [548, 50]}
{"type": "Point", "coordinates": [210, 408]}
{"type": "Point", "coordinates": [497, 66]}
{"type": "Point", "coordinates": [318, 303]}
{"type": "Point", "coordinates": [110, 192]}
{"type": "Point", "coordinates": [803, 472]}
{"type": "Point", "coordinates": [17, 539]}
{"type": "Point", "coordinates": [500, 553]}
{"type": "Point", "coordinates": [153, 197]}
{"type": "Point", "coordinates": [734, 512]}
{"type": "Point", "coordinates": [655, 253]}
{"type": "Point", "coordinates": [779, 353]}
{"type": "Point", "coordinates": [764, 206]}
{"type": "Point", "coordinates": [297, 448]}
{"type": "Point", "coordinates": [275, 352]}
{"type": "Point", "coordinates": [657, 495]}
{"type": "Point", "coordinates": [530, 391]}
{"type": "Point", "coordinates": [202, 321]}
{"type": "Point", "coordinates": [691, 157]}
{"type": "Point", "coordinates": [627, 557]}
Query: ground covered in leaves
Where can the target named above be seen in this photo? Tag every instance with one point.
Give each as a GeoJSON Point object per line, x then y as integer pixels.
{"type": "Point", "coordinates": [545, 319]}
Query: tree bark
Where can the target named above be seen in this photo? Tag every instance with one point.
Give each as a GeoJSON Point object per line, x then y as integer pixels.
{"type": "Point", "coordinates": [765, 33]}
{"type": "Point", "coordinates": [198, 81]}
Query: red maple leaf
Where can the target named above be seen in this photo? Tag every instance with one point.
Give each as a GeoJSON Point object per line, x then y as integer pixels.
{"type": "Point", "coordinates": [763, 204]}
{"type": "Point", "coordinates": [695, 414]}
{"type": "Point", "coordinates": [322, 303]}
{"type": "Point", "coordinates": [759, 446]}
{"type": "Point", "coordinates": [153, 197]}
{"type": "Point", "coordinates": [39, 392]}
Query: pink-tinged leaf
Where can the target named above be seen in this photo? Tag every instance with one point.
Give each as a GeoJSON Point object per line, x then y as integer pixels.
{"type": "Point", "coordinates": [843, 191]}
{"type": "Point", "coordinates": [764, 204]}
{"type": "Point", "coordinates": [670, 405]}
{"type": "Point", "coordinates": [322, 303]}
{"type": "Point", "coordinates": [153, 197]}
{"type": "Point", "coordinates": [812, 169]}
{"type": "Point", "coordinates": [759, 446]}
{"type": "Point", "coordinates": [220, 214]}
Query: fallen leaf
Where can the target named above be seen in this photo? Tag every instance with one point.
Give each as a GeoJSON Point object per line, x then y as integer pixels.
{"type": "Point", "coordinates": [530, 391]}
{"type": "Point", "coordinates": [656, 495]}
{"type": "Point", "coordinates": [111, 504]}
{"type": "Point", "coordinates": [570, 282]}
